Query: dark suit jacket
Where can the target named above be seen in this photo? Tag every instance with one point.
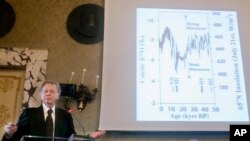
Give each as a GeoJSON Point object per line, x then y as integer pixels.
{"type": "Point", "coordinates": [32, 122]}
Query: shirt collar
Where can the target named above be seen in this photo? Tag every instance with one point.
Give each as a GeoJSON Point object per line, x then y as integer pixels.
{"type": "Point", "coordinates": [45, 108]}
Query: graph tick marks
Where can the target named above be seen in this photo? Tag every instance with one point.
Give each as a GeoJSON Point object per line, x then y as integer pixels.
{"type": "Point", "coordinates": [196, 64]}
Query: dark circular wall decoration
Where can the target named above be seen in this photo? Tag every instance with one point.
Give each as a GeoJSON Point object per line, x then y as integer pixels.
{"type": "Point", "coordinates": [85, 23]}
{"type": "Point", "coordinates": [7, 18]}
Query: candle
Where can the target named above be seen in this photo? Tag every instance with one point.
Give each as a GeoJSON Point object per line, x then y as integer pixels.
{"type": "Point", "coordinates": [83, 73]}
{"type": "Point", "coordinates": [71, 78]}
{"type": "Point", "coordinates": [96, 82]}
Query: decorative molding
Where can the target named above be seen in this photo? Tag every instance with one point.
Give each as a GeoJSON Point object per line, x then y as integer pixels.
{"type": "Point", "coordinates": [4, 115]}
{"type": "Point", "coordinates": [11, 98]}
{"type": "Point", "coordinates": [6, 85]}
{"type": "Point", "coordinates": [34, 62]}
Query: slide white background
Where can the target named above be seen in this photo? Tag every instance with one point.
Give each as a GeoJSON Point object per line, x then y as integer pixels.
{"type": "Point", "coordinates": [195, 47]}
{"type": "Point", "coordinates": [119, 97]}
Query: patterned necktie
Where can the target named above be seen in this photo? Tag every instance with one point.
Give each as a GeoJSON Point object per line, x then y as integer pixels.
{"type": "Point", "coordinates": [49, 123]}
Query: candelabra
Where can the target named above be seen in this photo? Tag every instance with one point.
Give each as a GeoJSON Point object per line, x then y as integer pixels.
{"type": "Point", "coordinates": [82, 94]}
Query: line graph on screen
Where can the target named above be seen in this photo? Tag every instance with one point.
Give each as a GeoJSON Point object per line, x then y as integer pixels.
{"type": "Point", "coordinates": [189, 66]}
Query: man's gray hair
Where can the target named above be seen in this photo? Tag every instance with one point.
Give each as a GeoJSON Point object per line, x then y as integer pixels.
{"type": "Point", "coordinates": [53, 83]}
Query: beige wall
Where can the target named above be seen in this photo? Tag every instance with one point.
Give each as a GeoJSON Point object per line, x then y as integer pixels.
{"type": "Point", "coordinates": [41, 24]}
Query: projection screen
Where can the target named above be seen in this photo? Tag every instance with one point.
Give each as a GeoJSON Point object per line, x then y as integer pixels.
{"type": "Point", "coordinates": [175, 65]}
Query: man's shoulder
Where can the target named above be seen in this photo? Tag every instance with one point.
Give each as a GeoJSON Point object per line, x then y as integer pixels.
{"type": "Point", "coordinates": [62, 111]}
{"type": "Point", "coordinates": [32, 109]}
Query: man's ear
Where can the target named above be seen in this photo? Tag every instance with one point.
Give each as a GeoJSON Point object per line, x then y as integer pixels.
{"type": "Point", "coordinates": [57, 96]}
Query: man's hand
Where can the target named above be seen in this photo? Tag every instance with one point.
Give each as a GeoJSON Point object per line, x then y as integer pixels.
{"type": "Point", "coordinates": [10, 129]}
{"type": "Point", "coordinates": [97, 134]}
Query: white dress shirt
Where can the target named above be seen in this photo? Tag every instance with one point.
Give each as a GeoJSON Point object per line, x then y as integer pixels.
{"type": "Point", "coordinates": [45, 111]}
